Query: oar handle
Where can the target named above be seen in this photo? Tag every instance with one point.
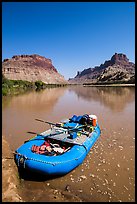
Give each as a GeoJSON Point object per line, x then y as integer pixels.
{"type": "Point", "coordinates": [32, 133]}
{"type": "Point", "coordinates": [40, 120]}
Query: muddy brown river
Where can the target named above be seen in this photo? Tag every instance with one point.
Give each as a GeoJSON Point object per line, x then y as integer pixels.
{"type": "Point", "coordinates": [108, 172]}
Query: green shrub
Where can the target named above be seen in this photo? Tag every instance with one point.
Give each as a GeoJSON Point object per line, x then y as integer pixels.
{"type": "Point", "coordinates": [39, 84]}
{"type": "Point", "coordinates": [4, 91]}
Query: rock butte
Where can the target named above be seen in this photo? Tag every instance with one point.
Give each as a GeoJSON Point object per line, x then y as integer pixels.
{"type": "Point", "coordinates": [117, 69]}
{"type": "Point", "coordinates": [31, 68]}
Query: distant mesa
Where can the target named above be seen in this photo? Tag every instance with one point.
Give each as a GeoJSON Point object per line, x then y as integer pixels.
{"type": "Point", "coordinates": [35, 67]}
{"type": "Point", "coordinates": [116, 70]}
{"type": "Point", "coordinates": [31, 68]}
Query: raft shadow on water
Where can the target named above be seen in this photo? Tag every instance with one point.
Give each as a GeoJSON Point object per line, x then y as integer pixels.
{"type": "Point", "coordinates": [33, 176]}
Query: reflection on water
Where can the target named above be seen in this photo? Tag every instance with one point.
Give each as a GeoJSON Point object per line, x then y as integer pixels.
{"type": "Point", "coordinates": [42, 100]}
{"type": "Point", "coordinates": [115, 98]}
{"type": "Point", "coordinates": [108, 172]}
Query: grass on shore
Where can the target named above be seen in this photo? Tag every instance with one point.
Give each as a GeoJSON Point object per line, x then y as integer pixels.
{"type": "Point", "coordinates": [13, 87]}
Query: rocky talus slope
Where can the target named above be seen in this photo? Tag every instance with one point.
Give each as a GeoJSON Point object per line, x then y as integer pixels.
{"type": "Point", "coordinates": [31, 68]}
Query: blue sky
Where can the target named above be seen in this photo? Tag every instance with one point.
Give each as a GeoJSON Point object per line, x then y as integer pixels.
{"type": "Point", "coordinates": [74, 35]}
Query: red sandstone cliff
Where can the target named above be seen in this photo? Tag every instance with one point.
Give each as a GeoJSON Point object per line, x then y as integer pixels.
{"type": "Point", "coordinates": [117, 69]}
{"type": "Point", "coordinates": [31, 68]}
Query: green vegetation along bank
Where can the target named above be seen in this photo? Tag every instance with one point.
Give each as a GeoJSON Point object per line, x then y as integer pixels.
{"type": "Point", "coordinates": [12, 87]}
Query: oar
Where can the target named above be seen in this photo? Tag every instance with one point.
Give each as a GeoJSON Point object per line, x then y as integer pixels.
{"type": "Point", "coordinates": [57, 124]}
{"type": "Point", "coordinates": [69, 130]}
{"type": "Point", "coordinates": [32, 137]}
{"type": "Point", "coordinates": [50, 123]}
{"type": "Point", "coordinates": [73, 129]}
{"type": "Point", "coordinates": [35, 133]}
{"type": "Point", "coordinates": [57, 133]}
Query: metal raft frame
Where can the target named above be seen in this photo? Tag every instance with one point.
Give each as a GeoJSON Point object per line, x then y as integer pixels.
{"type": "Point", "coordinates": [62, 135]}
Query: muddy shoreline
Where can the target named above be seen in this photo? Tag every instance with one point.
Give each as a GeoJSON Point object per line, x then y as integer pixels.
{"type": "Point", "coordinates": [10, 182]}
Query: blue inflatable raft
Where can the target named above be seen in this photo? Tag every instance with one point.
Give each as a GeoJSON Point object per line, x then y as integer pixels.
{"type": "Point", "coordinates": [66, 144]}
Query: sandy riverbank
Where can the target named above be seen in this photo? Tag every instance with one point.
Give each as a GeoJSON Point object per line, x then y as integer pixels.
{"type": "Point", "coordinates": [113, 85]}
{"type": "Point", "coordinates": [10, 181]}
{"type": "Point", "coordinates": [11, 187]}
